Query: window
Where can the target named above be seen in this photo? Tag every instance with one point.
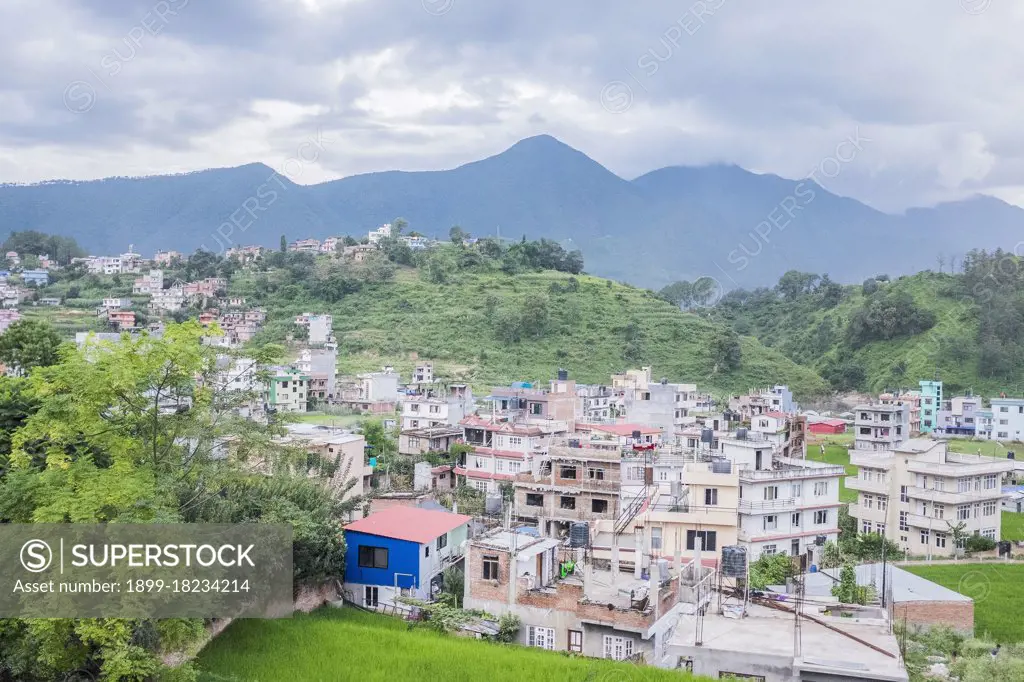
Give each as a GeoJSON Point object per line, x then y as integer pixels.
{"type": "Point", "coordinates": [617, 648]}
{"type": "Point", "coordinates": [769, 550]}
{"type": "Point", "coordinates": [903, 521]}
{"type": "Point", "coordinates": [543, 638]}
{"type": "Point", "coordinates": [599, 506]}
{"type": "Point", "coordinates": [710, 496]}
{"type": "Point", "coordinates": [1004, 409]}
{"type": "Point", "coordinates": [989, 533]}
{"type": "Point", "coordinates": [370, 594]}
{"type": "Point", "coordinates": [865, 526]}
{"type": "Point", "coordinates": [569, 472]}
{"type": "Point", "coordinates": [940, 484]}
{"type": "Point", "coordinates": [515, 467]}
{"type": "Point", "coordinates": [442, 541]}
{"type": "Point", "coordinates": [821, 488]}
{"type": "Point", "coordinates": [426, 550]}
{"type": "Point", "coordinates": [821, 517]}
{"type": "Point", "coordinates": [708, 537]}
{"type": "Point", "coordinates": [903, 494]}
{"type": "Point", "coordinates": [595, 474]}
{"type": "Point", "coordinates": [880, 528]}
{"type": "Point", "coordinates": [796, 490]}
{"type": "Point", "coordinates": [922, 481]}
{"type": "Point", "coordinates": [771, 492]}
{"type": "Point", "coordinates": [963, 485]}
{"type": "Point", "coordinates": [480, 485]}
{"type": "Point", "coordinates": [990, 482]}
{"type": "Point", "coordinates": [566, 502]}
{"type": "Point", "coordinates": [990, 509]}
{"type": "Point", "coordinates": [490, 567]}
{"type": "Point", "coordinates": [963, 512]}
{"type": "Point", "coordinates": [1002, 434]}
{"type": "Point", "coordinates": [515, 440]}
{"type": "Point", "coordinates": [655, 538]}
{"type": "Point", "coordinates": [435, 409]}
{"type": "Point", "coordinates": [883, 503]}
{"type": "Point", "coordinates": [867, 501]}
{"type": "Point", "coordinates": [940, 539]}
{"type": "Point", "coordinates": [865, 430]}
{"type": "Point", "coordinates": [939, 511]}
{"type": "Point", "coordinates": [771, 522]}
{"type": "Point", "coordinates": [924, 537]}
{"type": "Point", "coordinates": [534, 500]}
{"type": "Point", "coordinates": [576, 641]}
{"type": "Point", "coordinates": [373, 557]}
{"type": "Point", "coordinates": [795, 520]}
{"type": "Point", "coordinates": [499, 465]}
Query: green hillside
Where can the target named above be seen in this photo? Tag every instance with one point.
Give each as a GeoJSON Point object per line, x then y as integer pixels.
{"type": "Point", "coordinates": [492, 327]}
{"type": "Point", "coordinates": [915, 327]}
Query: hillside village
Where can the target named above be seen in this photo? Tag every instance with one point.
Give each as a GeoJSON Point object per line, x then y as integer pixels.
{"type": "Point", "coordinates": [635, 519]}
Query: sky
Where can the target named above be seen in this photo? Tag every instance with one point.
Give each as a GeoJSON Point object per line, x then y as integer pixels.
{"type": "Point", "coordinates": [897, 104]}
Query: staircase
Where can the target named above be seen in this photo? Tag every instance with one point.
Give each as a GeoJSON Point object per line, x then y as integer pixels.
{"type": "Point", "coordinates": [631, 511]}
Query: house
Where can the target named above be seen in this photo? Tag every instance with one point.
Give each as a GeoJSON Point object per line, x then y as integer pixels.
{"type": "Point", "coordinates": [402, 552]}
{"type": "Point", "coordinates": [305, 246]}
{"type": "Point", "coordinates": [373, 392]}
{"type": "Point", "coordinates": [166, 257]}
{"type": "Point", "coordinates": [595, 403]}
{"type": "Point", "coordinates": [431, 416]}
{"type": "Point", "coordinates": [826, 426]}
{"type": "Point", "coordinates": [116, 303]}
{"type": "Point", "coordinates": [667, 405]}
{"type": "Point", "coordinates": [320, 328]}
{"type": "Point", "coordinates": [918, 492]}
{"type": "Point", "coordinates": [522, 400]}
{"type": "Point", "coordinates": [382, 232]}
{"type": "Point", "coordinates": [1013, 499]}
{"type": "Point", "coordinates": [758, 401]}
{"type": "Point", "coordinates": [931, 401]}
{"type": "Point", "coordinates": [321, 366]}
{"type": "Point", "coordinates": [49, 301]}
{"type": "Point", "coordinates": [359, 252]}
{"type": "Point", "coordinates": [568, 602]}
{"type": "Point", "coordinates": [39, 278]}
{"type": "Point", "coordinates": [287, 390]}
{"type": "Point", "coordinates": [959, 416]}
{"type": "Point", "coordinates": [1008, 419]}
{"type": "Point", "coordinates": [167, 300]}
{"type": "Point", "coordinates": [330, 245]}
{"type": "Point", "coordinates": [205, 288]}
{"type": "Point", "coordinates": [121, 319]}
{"type": "Point", "coordinates": [7, 318]}
{"type": "Point", "coordinates": [881, 427]}
{"type": "Point", "coordinates": [149, 283]}
{"type": "Point", "coordinates": [501, 449]}
{"type": "Point", "coordinates": [13, 258]}
{"type": "Point", "coordinates": [342, 449]}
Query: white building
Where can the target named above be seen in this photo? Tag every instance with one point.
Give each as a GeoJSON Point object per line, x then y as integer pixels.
{"type": "Point", "coordinates": [321, 364]}
{"type": "Point", "coordinates": [374, 236]}
{"type": "Point", "coordinates": [881, 427]}
{"type": "Point", "coordinates": [169, 300]}
{"type": "Point", "coordinates": [918, 492]}
{"type": "Point", "coordinates": [1007, 419]}
{"type": "Point", "coordinates": [149, 283]}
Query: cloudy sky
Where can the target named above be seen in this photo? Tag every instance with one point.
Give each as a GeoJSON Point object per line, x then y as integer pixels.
{"type": "Point", "coordinates": [931, 89]}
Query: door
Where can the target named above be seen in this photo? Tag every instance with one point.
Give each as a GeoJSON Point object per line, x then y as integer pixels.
{"type": "Point", "coordinates": [370, 596]}
{"type": "Point", "coordinates": [576, 641]}
{"type": "Point", "coordinates": [795, 547]}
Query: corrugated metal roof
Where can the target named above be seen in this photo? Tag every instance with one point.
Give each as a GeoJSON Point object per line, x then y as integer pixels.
{"type": "Point", "coordinates": [409, 523]}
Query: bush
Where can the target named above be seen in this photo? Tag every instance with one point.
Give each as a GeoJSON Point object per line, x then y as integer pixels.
{"type": "Point", "coordinates": [979, 543]}
{"type": "Point", "coordinates": [508, 628]}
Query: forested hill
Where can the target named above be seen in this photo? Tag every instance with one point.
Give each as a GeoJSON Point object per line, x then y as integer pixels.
{"type": "Point", "coordinates": [490, 314]}
{"type": "Point", "coordinates": [966, 328]}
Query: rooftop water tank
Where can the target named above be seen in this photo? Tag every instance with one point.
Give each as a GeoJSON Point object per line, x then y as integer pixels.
{"type": "Point", "coordinates": [720, 465]}
{"type": "Point", "coordinates": [579, 534]}
{"type": "Point", "coordinates": [707, 436]}
{"type": "Point", "coordinates": [741, 434]}
{"type": "Point", "coordinates": [492, 505]}
{"type": "Point", "coordinates": [563, 374]}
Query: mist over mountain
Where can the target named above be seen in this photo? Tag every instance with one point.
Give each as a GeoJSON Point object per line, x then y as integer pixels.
{"type": "Point", "coordinates": [742, 228]}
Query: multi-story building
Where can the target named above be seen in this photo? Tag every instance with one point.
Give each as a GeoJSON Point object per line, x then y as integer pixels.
{"type": "Point", "coordinates": [305, 246]}
{"type": "Point", "coordinates": [917, 494]}
{"type": "Point", "coordinates": [671, 407]}
{"type": "Point", "coordinates": [1007, 419]}
{"type": "Point", "coordinates": [431, 417]}
{"type": "Point", "coordinates": [911, 399]}
{"type": "Point", "coordinates": [321, 366]}
{"type": "Point", "coordinates": [343, 451]}
{"type": "Point", "coordinates": [374, 236]}
{"type": "Point", "coordinates": [595, 403]}
{"type": "Point", "coordinates": [786, 432]}
{"type": "Point", "coordinates": [149, 283]}
{"type": "Point", "coordinates": [959, 416]}
{"type": "Point", "coordinates": [287, 390]}
{"type": "Point", "coordinates": [320, 328]}
{"type": "Point", "coordinates": [208, 287]}
{"type": "Point", "coordinates": [39, 278]}
{"type": "Point", "coordinates": [166, 257]}
{"type": "Point", "coordinates": [881, 427]}
{"type": "Point", "coordinates": [121, 319]}
{"type": "Point", "coordinates": [502, 449]}
{"type": "Point", "coordinates": [931, 401]}
{"type": "Point", "coordinates": [372, 392]}
{"type": "Point", "coordinates": [167, 300]}
{"type": "Point", "coordinates": [522, 400]}
{"type": "Point", "coordinates": [589, 611]}
{"type": "Point", "coordinates": [758, 401]}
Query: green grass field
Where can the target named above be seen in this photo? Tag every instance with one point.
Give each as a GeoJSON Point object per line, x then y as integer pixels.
{"type": "Point", "coordinates": [985, 447]}
{"type": "Point", "coordinates": [1013, 526]}
{"type": "Point", "coordinates": [835, 453]}
{"type": "Point", "coordinates": [348, 644]}
{"type": "Point", "coordinates": [996, 590]}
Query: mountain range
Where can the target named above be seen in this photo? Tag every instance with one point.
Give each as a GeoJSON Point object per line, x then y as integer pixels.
{"type": "Point", "coordinates": [741, 228]}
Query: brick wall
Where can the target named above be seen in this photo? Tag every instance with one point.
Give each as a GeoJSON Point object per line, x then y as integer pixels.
{"type": "Point", "coordinates": [956, 614]}
{"type": "Point", "coordinates": [488, 590]}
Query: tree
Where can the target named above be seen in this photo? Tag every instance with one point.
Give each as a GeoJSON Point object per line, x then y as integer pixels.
{"type": "Point", "coordinates": [458, 235]}
{"type": "Point", "coordinates": [284, 244]}
{"type": "Point", "coordinates": [726, 351]}
{"type": "Point", "coordinates": [847, 591]}
{"type": "Point", "coordinates": [29, 343]}
{"type": "Point", "coordinates": [771, 569]}
{"type": "Point", "coordinates": [453, 582]}
{"type": "Point", "coordinates": [831, 556]}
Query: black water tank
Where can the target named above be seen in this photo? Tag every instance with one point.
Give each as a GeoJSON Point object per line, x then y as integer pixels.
{"type": "Point", "coordinates": [563, 374]}
{"type": "Point", "coordinates": [1011, 455]}
{"type": "Point", "coordinates": [579, 534]}
{"type": "Point", "coordinates": [734, 561]}
{"type": "Point", "coordinates": [707, 436]}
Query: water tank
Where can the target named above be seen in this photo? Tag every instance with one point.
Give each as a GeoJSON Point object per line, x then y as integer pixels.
{"type": "Point", "coordinates": [579, 534]}
{"type": "Point", "coordinates": [563, 374]}
{"type": "Point", "coordinates": [707, 436]}
{"type": "Point", "coordinates": [636, 436]}
{"type": "Point", "coordinates": [741, 434]}
{"type": "Point", "coordinates": [734, 561]}
{"type": "Point", "coordinates": [492, 505]}
{"type": "Point", "coordinates": [720, 465]}
{"type": "Point", "coordinates": [1011, 455]}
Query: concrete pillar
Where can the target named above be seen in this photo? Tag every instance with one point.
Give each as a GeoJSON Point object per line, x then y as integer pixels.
{"type": "Point", "coordinates": [638, 552]}
{"type": "Point", "coordinates": [654, 588]}
{"type": "Point", "coordinates": [677, 540]}
{"type": "Point", "coordinates": [587, 580]}
{"type": "Point", "coordinates": [513, 581]}
{"type": "Point", "coordinates": [615, 555]}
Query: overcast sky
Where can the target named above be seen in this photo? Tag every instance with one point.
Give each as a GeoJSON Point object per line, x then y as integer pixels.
{"type": "Point", "coordinates": [932, 89]}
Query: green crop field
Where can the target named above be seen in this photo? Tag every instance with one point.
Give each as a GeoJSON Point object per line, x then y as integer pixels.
{"type": "Point", "coordinates": [985, 447]}
{"type": "Point", "coordinates": [1013, 526]}
{"type": "Point", "coordinates": [996, 590]}
{"type": "Point", "coordinates": [348, 644]}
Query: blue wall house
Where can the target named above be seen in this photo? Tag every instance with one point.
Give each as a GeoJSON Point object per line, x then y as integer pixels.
{"type": "Point", "coordinates": [401, 551]}
{"type": "Point", "coordinates": [38, 277]}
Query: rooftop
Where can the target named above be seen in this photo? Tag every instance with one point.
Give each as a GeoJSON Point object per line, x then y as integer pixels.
{"type": "Point", "coordinates": [905, 585]}
{"type": "Point", "coordinates": [409, 523]}
{"type": "Point", "coordinates": [916, 446]}
{"type": "Point", "coordinates": [624, 429]}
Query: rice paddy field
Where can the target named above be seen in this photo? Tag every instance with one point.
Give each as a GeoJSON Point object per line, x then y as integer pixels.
{"type": "Point", "coordinates": [348, 644]}
{"type": "Point", "coordinates": [996, 588]}
{"type": "Point", "coordinates": [836, 452]}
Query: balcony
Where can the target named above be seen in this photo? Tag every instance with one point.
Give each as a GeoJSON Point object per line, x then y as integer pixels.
{"type": "Point", "coordinates": [861, 485]}
{"type": "Point", "coordinates": [952, 497]}
{"type": "Point", "coordinates": [787, 504]}
{"type": "Point", "coordinates": [922, 521]}
{"type": "Point", "coordinates": [955, 468]}
{"type": "Point", "coordinates": [795, 472]}
{"type": "Point", "coordinates": [871, 459]}
{"type": "Point", "coordinates": [545, 482]}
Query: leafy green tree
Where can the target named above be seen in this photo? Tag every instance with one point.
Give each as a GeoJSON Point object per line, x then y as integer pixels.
{"type": "Point", "coordinates": [29, 343]}
{"type": "Point", "coordinates": [847, 591]}
{"type": "Point", "coordinates": [457, 235]}
{"type": "Point", "coordinates": [284, 244]}
{"type": "Point", "coordinates": [771, 569]}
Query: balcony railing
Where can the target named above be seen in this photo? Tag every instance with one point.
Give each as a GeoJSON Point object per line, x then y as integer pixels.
{"type": "Point", "coordinates": [954, 469]}
{"type": "Point", "coordinates": [953, 497]}
{"type": "Point", "coordinates": [790, 473]}
{"type": "Point", "coordinates": [859, 484]}
{"type": "Point", "coordinates": [766, 506]}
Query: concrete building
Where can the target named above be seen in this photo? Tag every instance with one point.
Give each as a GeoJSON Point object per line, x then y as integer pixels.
{"type": "Point", "coordinates": [167, 300]}
{"type": "Point", "coordinates": [1007, 419]}
{"type": "Point", "coordinates": [431, 417]}
{"type": "Point", "coordinates": [342, 451]}
{"type": "Point", "coordinates": [881, 427]}
{"type": "Point", "coordinates": [523, 400]}
{"type": "Point", "coordinates": [931, 401]}
{"type": "Point", "coordinates": [669, 406]}
{"type": "Point", "coordinates": [39, 278]}
{"type": "Point", "coordinates": [759, 401]}
{"type": "Point", "coordinates": [763, 646]}
{"type": "Point", "coordinates": [502, 449]}
{"type": "Point", "coordinates": [402, 551]}
{"type": "Point", "coordinates": [321, 365]}
{"type": "Point", "coordinates": [374, 236]}
{"type": "Point", "coordinates": [573, 607]}
{"type": "Point", "coordinates": [372, 392]}
{"type": "Point", "coordinates": [959, 416]}
{"type": "Point", "coordinates": [149, 283]}
{"type": "Point", "coordinates": [287, 390]}
{"type": "Point", "coordinates": [917, 493]}
{"type": "Point", "coordinates": [595, 404]}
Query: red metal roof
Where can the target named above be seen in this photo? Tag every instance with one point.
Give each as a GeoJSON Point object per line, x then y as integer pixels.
{"type": "Point", "coordinates": [484, 475]}
{"type": "Point", "coordinates": [409, 523]}
{"type": "Point", "coordinates": [624, 429]}
{"type": "Point", "coordinates": [776, 414]}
